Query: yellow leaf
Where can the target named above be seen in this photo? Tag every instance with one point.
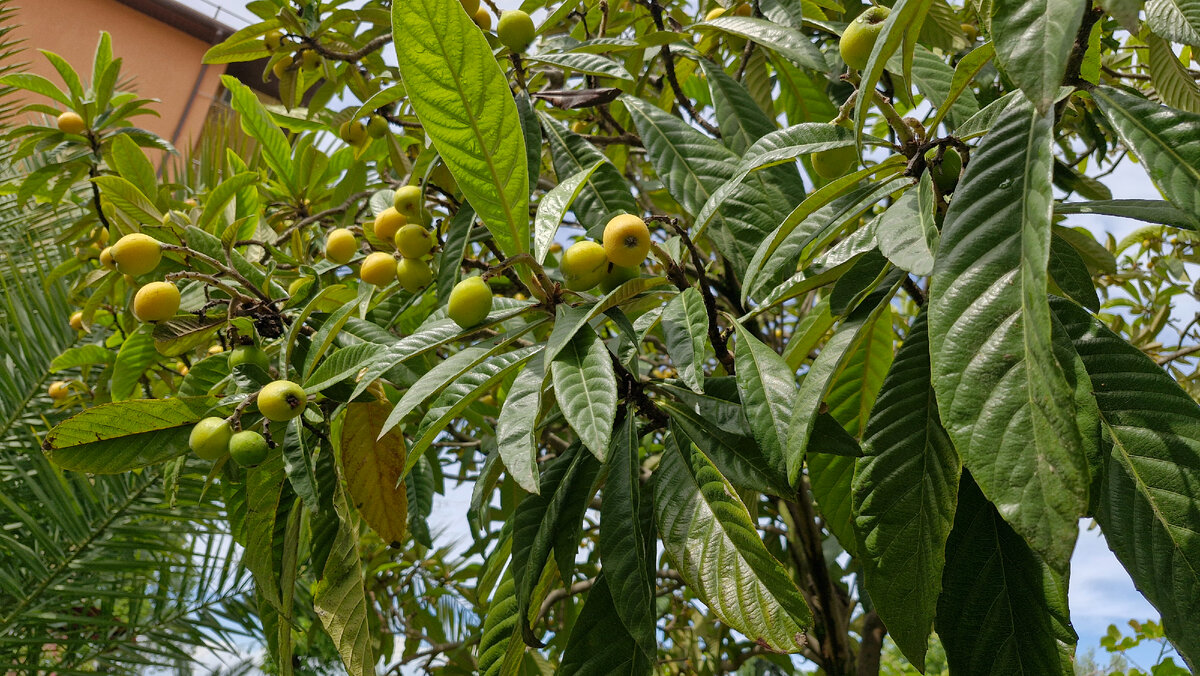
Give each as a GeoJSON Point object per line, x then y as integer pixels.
{"type": "Point", "coordinates": [373, 470]}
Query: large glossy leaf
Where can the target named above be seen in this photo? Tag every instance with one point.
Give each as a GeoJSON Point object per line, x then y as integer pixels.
{"type": "Point", "coordinates": [1003, 611]}
{"type": "Point", "coordinates": [783, 40]}
{"type": "Point", "coordinates": [499, 646]}
{"type": "Point", "coordinates": [767, 386]}
{"type": "Point", "coordinates": [1166, 141]}
{"type": "Point", "coordinates": [372, 467]}
{"type": "Point", "coordinates": [553, 207]}
{"type": "Point", "coordinates": [604, 194]}
{"type": "Point", "coordinates": [709, 536]}
{"type": "Point", "coordinates": [136, 355]}
{"type": "Point", "coordinates": [515, 429]}
{"type": "Point", "coordinates": [1149, 211]}
{"type": "Point", "coordinates": [964, 72]}
{"type": "Point", "coordinates": [902, 25]}
{"type": "Point", "coordinates": [850, 336]}
{"type": "Point", "coordinates": [600, 644]}
{"type": "Point", "coordinates": [1175, 20]}
{"type": "Point", "coordinates": [693, 166]}
{"type": "Point", "coordinates": [1033, 40]}
{"type": "Point", "coordinates": [463, 101]}
{"type": "Point", "coordinates": [266, 511]}
{"type": "Point", "coordinates": [904, 492]}
{"type": "Point", "coordinates": [685, 327]}
{"type": "Point", "coordinates": [340, 598]}
{"type": "Point", "coordinates": [1174, 85]}
{"type": "Point", "coordinates": [1149, 502]}
{"type": "Point", "coordinates": [907, 233]}
{"type": "Point", "coordinates": [1002, 394]}
{"type": "Point", "coordinates": [126, 435]}
{"type": "Point", "coordinates": [586, 388]}
{"type": "Point", "coordinates": [257, 122]}
{"type": "Point", "coordinates": [538, 520]}
{"type": "Point", "coordinates": [734, 453]}
{"type": "Point", "coordinates": [936, 80]}
{"type": "Point", "coordinates": [623, 551]}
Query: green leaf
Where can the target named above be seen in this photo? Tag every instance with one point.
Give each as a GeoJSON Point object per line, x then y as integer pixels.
{"type": "Point", "coordinates": [340, 598]}
{"type": "Point", "coordinates": [131, 163]}
{"type": "Point", "coordinates": [298, 466]}
{"type": "Point", "coordinates": [67, 73]}
{"type": "Point", "coordinates": [600, 644]}
{"type": "Point", "coordinates": [767, 386]}
{"type": "Point", "coordinates": [1174, 85]}
{"type": "Point", "coordinates": [38, 85]}
{"type": "Point", "coordinates": [264, 504]}
{"type": "Point", "coordinates": [516, 427]}
{"type": "Point", "coordinates": [1164, 140]}
{"type": "Point", "coordinates": [499, 647]}
{"type": "Point", "coordinates": [1175, 20]}
{"type": "Point", "coordinates": [1149, 211]}
{"type": "Point", "coordinates": [854, 332]}
{"type": "Point", "coordinates": [964, 72]}
{"type": "Point", "coordinates": [571, 319]}
{"type": "Point", "coordinates": [904, 494]}
{"type": "Point", "coordinates": [685, 327]}
{"type": "Point", "coordinates": [463, 101]}
{"type": "Point", "coordinates": [538, 520]}
{"type": "Point", "coordinates": [123, 436]}
{"type": "Point", "coordinates": [623, 550]}
{"type": "Point", "coordinates": [783, 40]}
{"type": "Point", "coordinates": [701, 520]}
{"type": "Point", "coordinates": [222, 195]}
{"type": "Point", "coordinates": [1147, 508]}
{"type": "Point", "coordinates": [458, 238]}
{"type": "Point", "coordinates": [903, 24]}
{"type": "Point", "coordinates": [586, 388]}
{"type": "Point", "coordinates": [907, 233]}
{"type": "Point", "coordinates": [258, 123]}
{"type": "Point", "coordinates": [1071, 275]}
{"type": "Point", "coordinates": [553, 207]}
{"type": "Point", "coordinates": [126, 197]}
{"type": "Point", "coordinates": [341, 365]}
{"type": "Point", "coordinates": [936, 81]}
{"type": "Point", "coordinates": [1002, 609]}
{"type": "Point", "coordinates": [82, 355]}
{"type": "Point", "coordinates": [734, 452]}
{"type": "Point", "coordinates": [1002, 394]}
{"type": "Point", "coordinates": [605, 193]}
{"type": "Point", "coordinates": [1033, 40]}
{"type": "Point", "coordinates": [693, 166]}
{"type": "Point", "coordinates": [587, 64]}
{"type": "Point", "coordinates": [136, 355]}
{"type": "Point", "coordinates": [373, 466]}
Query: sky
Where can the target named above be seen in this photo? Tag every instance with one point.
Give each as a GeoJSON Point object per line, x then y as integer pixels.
{"type": "Point", "coordinates": [1101, 592]}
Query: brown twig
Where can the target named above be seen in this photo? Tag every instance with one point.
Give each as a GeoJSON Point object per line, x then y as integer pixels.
{"type": "Point", "coordinates": [656, 11]}
{"type": "Point", "coordinates": [719, 342]}
{"type": "Point", "coordinates": [350, 201]}
{"type": "Point", "coordinates": [354, 56]}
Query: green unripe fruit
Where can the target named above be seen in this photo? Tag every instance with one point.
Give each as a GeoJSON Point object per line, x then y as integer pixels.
{"type": "Point", "coordinates": [248, 448]}
{"type": "Point", "coordinates": [210, 438]}
{"type": "Point", "coordinates": [944, 173]}
{"type": "Point", "coordinates": [249, 354]}
{"type": "Point", "coordinates": [273, 39]}
{"type": "Point", "coordinates": [616, 276]}
{"type": "Point", "coordinates": [413, 274]}
{"type": "Point", "coordinates": [353, 132]}
{"type": "Point", "coordinates": [310, 59]}
{"type": "Point", "coordinates": [281, 400]}
{"type": "Point", "coordinates": [470, 302]}
{"type": "Point", "coordinates": [860, 35]}
{"type": "Point", "coordinates": [413, 241]}
{"type": "Point", "coordinates": [515, 30]}
{"type": "Point", "coordinates": [583, 265]}
{"type": "Point", "coordinates": [377, 127]}
{"type": "Point", "coordinates": [407, 201]}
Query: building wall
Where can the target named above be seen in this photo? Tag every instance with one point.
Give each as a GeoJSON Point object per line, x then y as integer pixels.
{"type": "Point", "coordinates": [162, 62]}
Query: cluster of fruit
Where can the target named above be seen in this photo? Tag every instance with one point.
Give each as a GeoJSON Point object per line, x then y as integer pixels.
{"type": "Point", "coordinates": [515, 29]}
{"type": "Point", "coordinates": [399, 224]}
{"type": "Point", "coordinates": [277, 41]}
{"type": "Point", "coordinates": [213, 437]}
{"type": "Point", "coordinates": [586, 264]}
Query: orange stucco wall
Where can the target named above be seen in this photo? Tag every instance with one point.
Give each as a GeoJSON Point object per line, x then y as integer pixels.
{"type": "Point", "coordinates": [164, 63]}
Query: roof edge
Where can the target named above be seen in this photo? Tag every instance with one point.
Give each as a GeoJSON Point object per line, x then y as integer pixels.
{"type": "Point", "coordinates": [182, 18]}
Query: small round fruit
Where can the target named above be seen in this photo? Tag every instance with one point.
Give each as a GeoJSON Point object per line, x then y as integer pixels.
{"type": "Point", "coordinates": [273, 39]}
{"type": "Point", "coordinates": [280, 68]}
{"type": "Point", "coordinates": [714, 13]}
{"type": "Point", "coordinates": [156, 302]}
{"type": "Point", "coordinates": [626, 240]}
{"type": "Point", "coordinates": [413, 241]}
{"type": "Point", "coordinates": [281, 400]}
{"type": "Point", "coordinates": [743, 10]}
{"type": "Point", "coordinates": [470, 302]}
{"type": "Point", "coordinates": [515, 30]}
{"type": "Point", "coordinates": [353, 132]}
{"type": "Point", "coordinates": [215, 349]}
{"type": "Point", "coordinates": [106, 259]}
{"type": "Point", "coordinates": [407, 201]}
{"type": "Point", "coordinates": [310, 59]}
{"type": "Point", "coordinates": [389, 222]}
{"type": "Point", "coordinates": [71, 123]}
{"type": "Point", "coordinates": [584, 264]}
{"type": "Point", "coordinates": [249, 354]}
{"type": "Point", "coordinates": [99, 236]}
{"type": "Point", "coordinates": [340, 246]}
{"type": "Point", "coordinates": [831, 164]}
{"type": "Point", "coordinates": [616, 276]}
{"type": "Point", "coordinates": [210, 438]}
{"type": "Point", "coordinates": [414, 274]}
{"type": "Point", "coordinates": [471, 6]}
{"type": "Point", "coordinates": [859, 37]}
{"type": "Point", "coordinates": [944, 173]}
{"type": "Point", "coordinates": [556, 248]}
{"type": "Point", "coordinates": [482, 18]}
{"type": "Point", "coordinates": [970, 31]}
{"type": "Point", "coordinates": [377, 127]}
{"type": "Point", "coordinates": [182, 369]}
{"type": "Point", "coordinates": [579, 126]}
{"type": "Point", "coordinates": [378, 268]}
{"type": "Point", "coordinates": [248, 448]}
{"type": "Point", "coordinates": [58, 390]}
{"type": "Point", "coordinates": [136, 254]}
{"type": "Point", "coordinates": [76, 321]}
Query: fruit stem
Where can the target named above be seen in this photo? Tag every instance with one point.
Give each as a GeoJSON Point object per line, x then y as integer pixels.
{"type": "Point", "coordinates": [221, 267]}
{"type": "Point", "coordinates": [903, 132]}
{"type": "Point", "coordinates": [718, 339]}
{"type": "Point", "coordinates": [656, 10]}
{"type": "Point", "coordinates": [235, 418]}
{"type": "Point", "coordinates": [208, 279]}
{"type": "Point", "coordinates": [527, 259]}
